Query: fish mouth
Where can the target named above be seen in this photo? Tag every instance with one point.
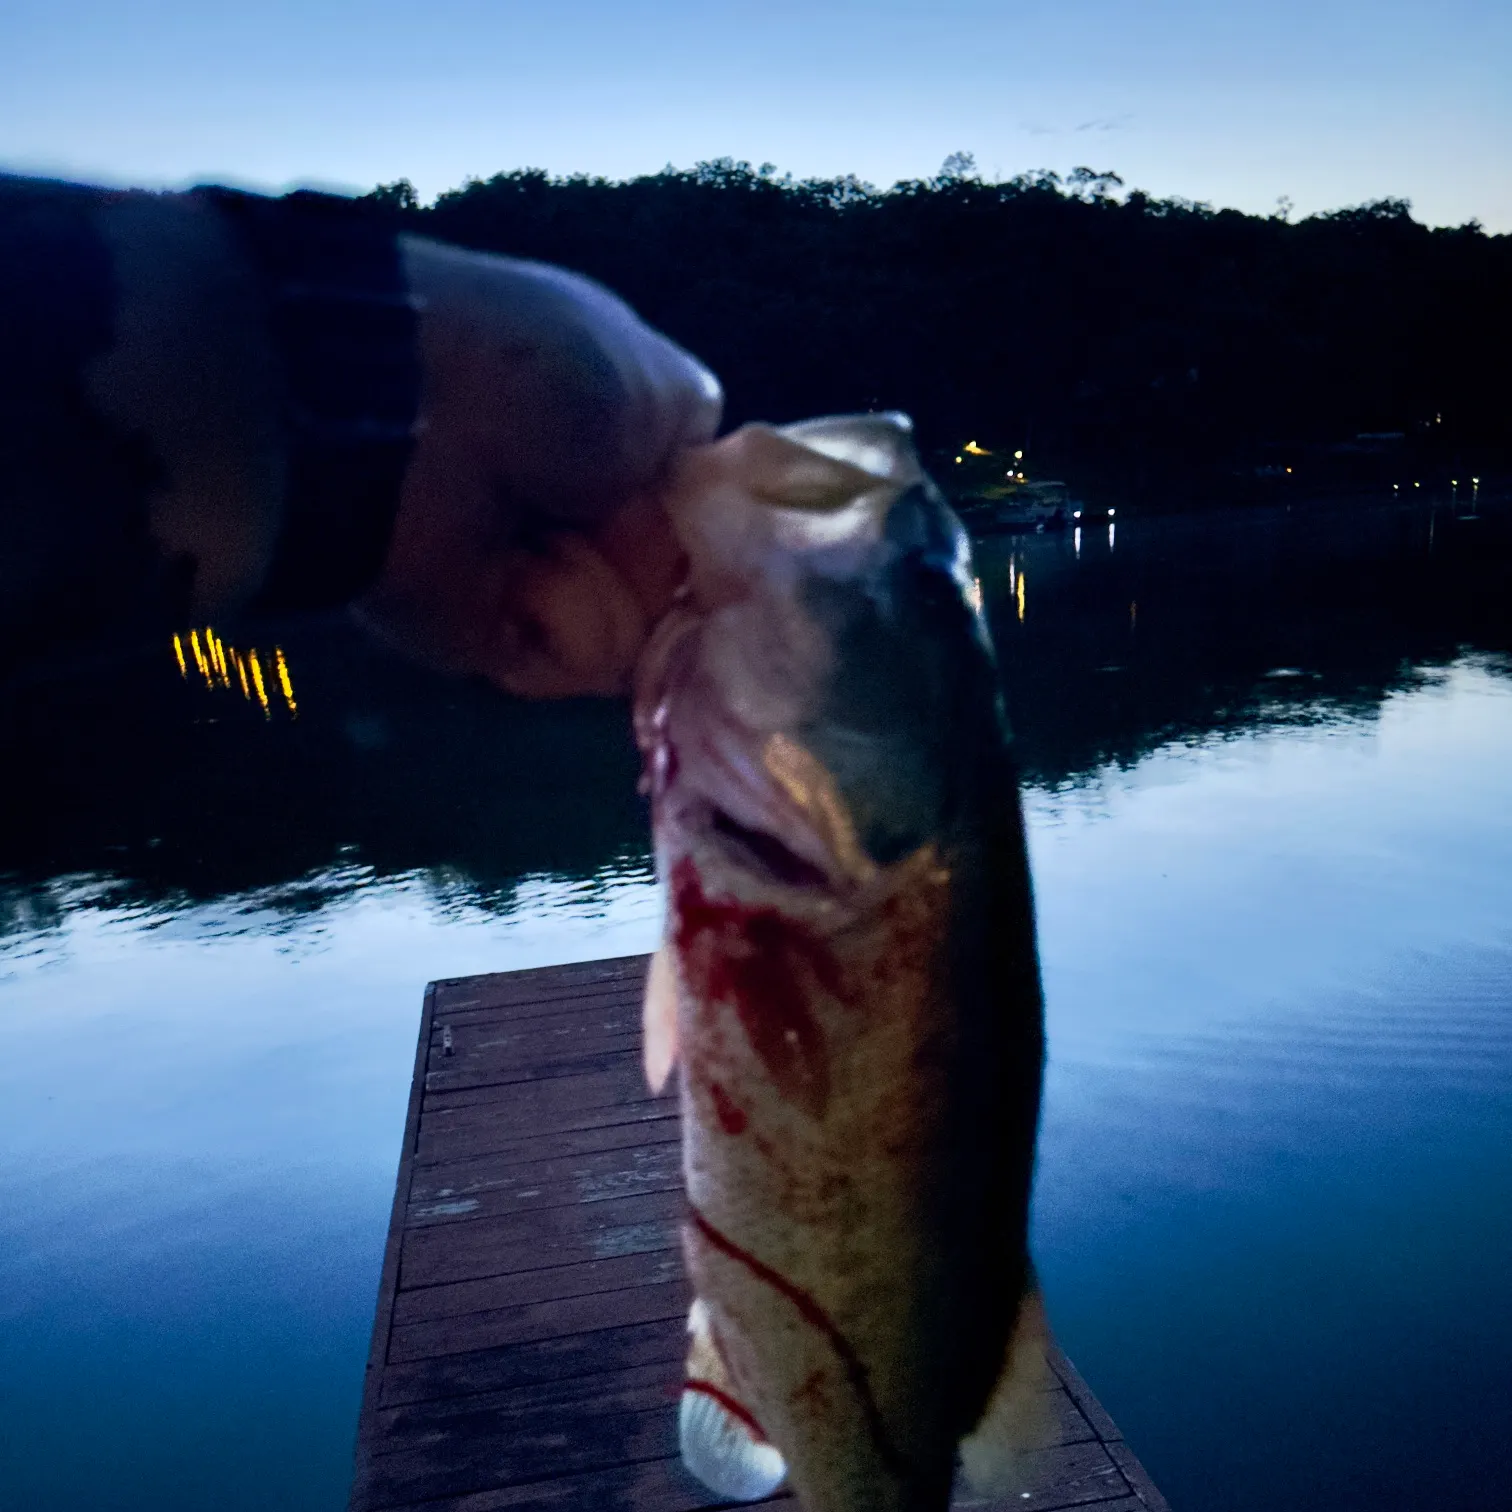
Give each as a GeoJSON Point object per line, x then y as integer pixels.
{"type": "Point", "coordinates": [764, 853]}
{"type": "Point", "coordinates": [708, 774]}
{"type": "Point", "coordinates": [712, 787]}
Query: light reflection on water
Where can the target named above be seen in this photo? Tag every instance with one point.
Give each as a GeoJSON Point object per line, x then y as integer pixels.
{"type": "Point", "coordinates": [1274, 1211]}
{"type": "Point", "coordinates": [197, 1145]}
{"type": "Point", "coordinates": [1275, 1198]}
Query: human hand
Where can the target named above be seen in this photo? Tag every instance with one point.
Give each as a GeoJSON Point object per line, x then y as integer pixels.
{"type": "Point", "coordinates": [530, 546]}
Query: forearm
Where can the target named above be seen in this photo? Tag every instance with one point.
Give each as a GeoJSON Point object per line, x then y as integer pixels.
{"type": "Point", "coordinates": [215, 400]}
{"type": "Point", "coordinates": [206, 401]}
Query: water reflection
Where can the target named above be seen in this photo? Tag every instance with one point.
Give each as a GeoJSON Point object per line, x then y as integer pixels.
{"type": "Point", "coordinates": [216, 662]}
{"type": "Point", "coordinates": [1269, 815]}
{"type": "Point", "coordinates": [197, 1146]}
{"type": "Point", "coordinates": [168, 792]}
{"type": "Point", "coordinates": [1274, 1187]}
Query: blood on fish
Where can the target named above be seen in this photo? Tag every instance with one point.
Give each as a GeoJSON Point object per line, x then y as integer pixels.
{"type": "Point", "coordinates": [816, 1317]}
{"type": "Point", "coordinates": [765, 966]}
{"type": "Point", "coordinates": [730, 1405]}
{"type": "Point", "coordinates": [732, 1119]}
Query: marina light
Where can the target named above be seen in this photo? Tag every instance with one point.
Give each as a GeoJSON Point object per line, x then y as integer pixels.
{"type": "Point", "coordinates": [1018, 456]}
{"type": "Point", "coordinates": [1076, 514]}
{"type": "Point", "coordinates": [1110, 514]}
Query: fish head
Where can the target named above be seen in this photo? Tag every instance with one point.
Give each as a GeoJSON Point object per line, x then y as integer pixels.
{"type": "Point", "coordinates": [806, 707]}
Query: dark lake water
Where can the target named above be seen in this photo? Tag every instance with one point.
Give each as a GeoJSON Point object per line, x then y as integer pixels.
{"type": "Point", "coordinates": [1269, 766]}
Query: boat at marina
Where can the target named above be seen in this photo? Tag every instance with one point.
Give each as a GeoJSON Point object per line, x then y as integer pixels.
{"type": "Point", "coordinates": [994, 495]}
{"type": "Point", "coordinates": [1018, 507]}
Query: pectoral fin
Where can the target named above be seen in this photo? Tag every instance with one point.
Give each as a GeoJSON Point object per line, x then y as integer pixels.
{"type": "Point", "coordinates": [1019, 1416]}
{"type": "Point", "coordinates": [659, 1021]}
{"type": "Point", "coordinates": [721, 1442]}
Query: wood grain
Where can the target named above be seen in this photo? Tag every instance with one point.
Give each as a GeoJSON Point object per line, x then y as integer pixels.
{"type": "Point", "coordinates": [528, 1343]}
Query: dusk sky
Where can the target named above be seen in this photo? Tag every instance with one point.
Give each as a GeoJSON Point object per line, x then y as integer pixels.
{"type": "Point", "coordinates": [1329, 102]}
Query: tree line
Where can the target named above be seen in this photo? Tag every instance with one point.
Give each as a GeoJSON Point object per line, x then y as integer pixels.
{"type": "Point", "coordinates": [1141, 343]}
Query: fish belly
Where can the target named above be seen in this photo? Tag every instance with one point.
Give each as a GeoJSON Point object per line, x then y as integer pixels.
{"type": "Point", "coordinates": [824, 1226]}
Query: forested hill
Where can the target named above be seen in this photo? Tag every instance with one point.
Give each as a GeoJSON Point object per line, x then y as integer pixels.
{"type": "Point", "coordinates": [1123, 339]}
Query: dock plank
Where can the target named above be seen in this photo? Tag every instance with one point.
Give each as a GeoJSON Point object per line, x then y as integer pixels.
{"type": "Point", "coordinates": [527, 1347]}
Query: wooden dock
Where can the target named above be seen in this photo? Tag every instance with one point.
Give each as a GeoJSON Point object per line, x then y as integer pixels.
{"type": "Point", "coordinates": [528, 1344]}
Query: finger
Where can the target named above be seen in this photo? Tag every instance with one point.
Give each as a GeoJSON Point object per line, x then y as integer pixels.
{"type": "Point", "coordinates": [568, 623]}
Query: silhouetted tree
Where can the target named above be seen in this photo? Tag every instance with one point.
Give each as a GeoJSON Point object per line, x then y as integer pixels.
{"type": "Point", "coordinates": [1137, 340]}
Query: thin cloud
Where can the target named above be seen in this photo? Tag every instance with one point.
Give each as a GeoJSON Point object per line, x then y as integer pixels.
{"type": "Point", "coordinates": [1106, 123]}
{"type": "Point", "coordinates": [1097, 123]}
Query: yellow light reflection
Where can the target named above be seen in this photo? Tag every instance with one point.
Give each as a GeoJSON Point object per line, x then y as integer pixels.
{"type": "Point", "coordinates": [218, 656]}
{"type": "Point", "coordinates": [224, 666]}
{"type": "Point", "coordinates": [284, 682]}
{"type": "Point", "coordinates": [1020, 596]}
{"type": "Point", "coordinates": [975, 450]}
{"type": "Point", "coordinates": [199, 659]}
{"type": "Point", "coordinates": [257, 682]}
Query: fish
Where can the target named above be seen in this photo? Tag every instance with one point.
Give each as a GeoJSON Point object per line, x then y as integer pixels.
{"type": "Point", "coordinates": [847, 979]}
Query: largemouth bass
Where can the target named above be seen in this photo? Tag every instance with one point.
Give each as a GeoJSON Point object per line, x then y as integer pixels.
{"type": "Point", "coordinates": [848, 977]}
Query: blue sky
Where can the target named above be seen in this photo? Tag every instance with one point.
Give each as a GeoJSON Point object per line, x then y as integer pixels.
{"type": "Point", "coordinates": [1331, 102]}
